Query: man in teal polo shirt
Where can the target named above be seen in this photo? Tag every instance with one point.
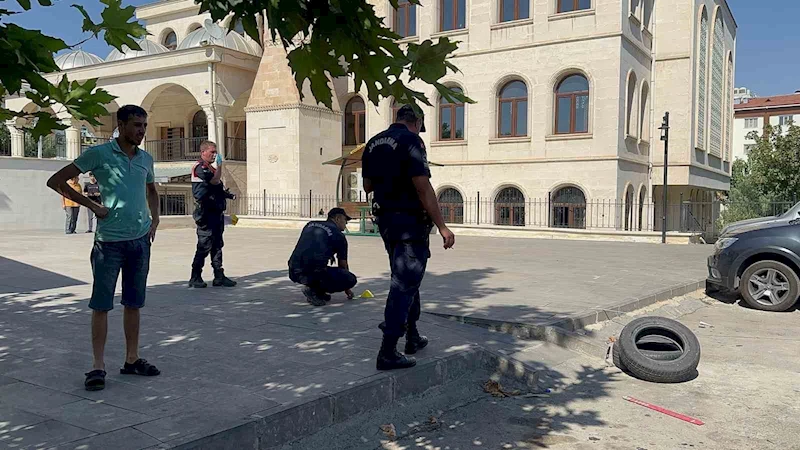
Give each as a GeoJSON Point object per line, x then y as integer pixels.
{"type": "Point", "coordinates": [126, 227]}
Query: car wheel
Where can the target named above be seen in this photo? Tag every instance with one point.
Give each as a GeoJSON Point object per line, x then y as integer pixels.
{"type": "Point", "coordinates": [769, 286]}
{"type": "Point", "coordinates": [657, 334]}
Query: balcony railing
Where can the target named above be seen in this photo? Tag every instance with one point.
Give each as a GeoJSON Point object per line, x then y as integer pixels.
{"type": "Point", "coordinates": [236, 149]}
{"type": "Point", "coordinates": [188, 149]}
{"type": "Point", "coordinates": [179, 149]}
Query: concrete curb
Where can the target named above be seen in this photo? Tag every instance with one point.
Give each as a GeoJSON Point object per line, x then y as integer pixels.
{"type": "Point", "coordinates": [283, 424]}
{"type": "Point", "coordinates": [565, 331]}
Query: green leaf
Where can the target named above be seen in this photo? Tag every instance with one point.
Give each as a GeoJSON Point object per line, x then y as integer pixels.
{"type": "Point", "coordinates": [118, 24]}
{"type": "Point", "coordinates": [26, 4]}
{"type": "Point", "coordinates": [45, 123]}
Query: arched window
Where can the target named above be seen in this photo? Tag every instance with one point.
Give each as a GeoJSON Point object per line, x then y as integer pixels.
{"type": "Point", "coordinates": [629, 208]}
{"type": "Point", "coordinates": [647, 13]}
{"type": "Point", "coordinates": [702, 81]}
{"type": "Point", "coordinates": [453, 14]}
{"type": "Point", "coordinates": [512, 110]}
{"type": "Point", "coordinates": [514, 10]}
{"type": "Point", "coordinates": [171, 40]}
{"type": "Point", "coordinates": [573, 5]}
{"type": "Point", "coordinates": [642, 200]}
{"type": "Point", "coordinates": [572, 105]}
{"type": "Point", "coordinates": [644, 113]}
{"type": "Point", "coordinates": [630, 106]}
{"type": "Point", "coordinates": [405, 19]}
{"type": "Point", "coordinates": [728, 106]}
{"type": "Point", "coordinates": [355, 124]}
{"type": "Point", "coordinates": [569, 208]}
{"type": "Point", "coordinates": [451, 203]}
{"type": "Point", "coordinates": [193, 27]}
{"type": "Point", "coordinates": [509, 208]}
{"type": "Point", "coordinates": [200, 125]}
{"type": "Point", "coordinates": [451, 119]}
{"type": "Point", "coordinates": [717, 86]}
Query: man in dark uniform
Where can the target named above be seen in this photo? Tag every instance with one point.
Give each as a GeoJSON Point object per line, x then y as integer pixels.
{"type": "Point", "coordinates": [210, 199]}
{"type": "Point", "coordinates": [319, 241]}
{"type": "Point", "coordinates": [395, 167]}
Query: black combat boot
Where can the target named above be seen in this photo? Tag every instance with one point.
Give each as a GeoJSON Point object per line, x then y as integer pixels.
{"type": "Point", "coordinates": [196, 280]}
{"type": "Point", "coordinates": [389, 358]}
{"type": "Point", "coordinates": [221, 280]}
{"type": "Point", "coordinates": [414, 341]}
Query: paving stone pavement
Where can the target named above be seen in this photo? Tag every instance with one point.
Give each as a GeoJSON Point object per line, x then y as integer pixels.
{"type": "Point", "coordinates": [228, 354]}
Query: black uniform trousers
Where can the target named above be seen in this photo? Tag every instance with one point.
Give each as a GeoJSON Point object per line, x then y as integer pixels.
{"type": "Point", "coordinates": [407, 241]}
{"type": "Point", "coordinates": [326, 280]}
{"type": "Point", "coordinates": [209, 240]}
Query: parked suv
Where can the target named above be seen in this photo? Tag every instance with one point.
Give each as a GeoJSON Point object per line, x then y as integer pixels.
{"type": "Point", "coordinates": [788, 216]}
{"type": "Point", "coordinates": [761, 261]}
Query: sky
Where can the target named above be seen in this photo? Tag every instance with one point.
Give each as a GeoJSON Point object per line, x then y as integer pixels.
{"type": "Point", "coordinates": [767, 43]}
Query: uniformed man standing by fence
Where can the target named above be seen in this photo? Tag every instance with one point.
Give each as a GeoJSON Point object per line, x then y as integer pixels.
{"type": "Point", "coordinates": [395, 168]}
{"type": "Point", "coordinates": [210, 198]}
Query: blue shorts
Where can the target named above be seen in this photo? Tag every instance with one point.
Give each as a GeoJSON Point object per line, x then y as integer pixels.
{"type": "Point", "coordinates": [108, 258]}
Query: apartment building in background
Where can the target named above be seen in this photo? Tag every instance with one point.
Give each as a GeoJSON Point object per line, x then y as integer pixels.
{"type": "Point", "coordinates": [776, 110]}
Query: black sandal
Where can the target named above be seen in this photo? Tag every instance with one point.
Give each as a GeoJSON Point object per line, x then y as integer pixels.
{"type": "Point", "coordinates": [140, 367]}
{"type": "Point", "coordinates": [95, 380]}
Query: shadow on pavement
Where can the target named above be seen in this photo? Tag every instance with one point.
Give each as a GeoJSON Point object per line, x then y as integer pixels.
{"type": "Point", "coordinates": [17, 277]}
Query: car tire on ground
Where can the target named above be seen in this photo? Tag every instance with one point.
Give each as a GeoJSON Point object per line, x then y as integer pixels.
{"type": "Point", "coordinates": [769, 286]}
{"type": "Point", "coordinates": [638, 361]}
{"type": "Point", "coordinates": [659, 348]}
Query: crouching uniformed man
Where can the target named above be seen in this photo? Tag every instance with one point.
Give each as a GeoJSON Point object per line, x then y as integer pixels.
{"type": "Point", "coordinates": [319, 241]}
{"type": "Point", "coordinates": [395, 169]}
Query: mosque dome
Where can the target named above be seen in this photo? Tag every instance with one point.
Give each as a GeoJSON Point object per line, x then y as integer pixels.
{"type": "Point", "coordinates": [148, 48]}
{"type": "Point", "coordinates": [218, 36]}
{"type": "Point", "coordinates": [76, 58]}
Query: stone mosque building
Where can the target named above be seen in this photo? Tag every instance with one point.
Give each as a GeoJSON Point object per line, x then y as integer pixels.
{"type": "Point", "coordinates": [564, 132]}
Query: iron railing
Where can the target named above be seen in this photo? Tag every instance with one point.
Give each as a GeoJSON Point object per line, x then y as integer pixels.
{"type": "Point", "coordinates": [178, 149]}
{"type": "Point", "coordinates": [175, 203]}
{"type": "Point", "coordinates": [236, 149]}
{"type": "Point", "coordinates": [188, 149]}
{"type": "Point", "coordinates": [53, 145]}
{"type": "Point", "coordinates": [307, 206]}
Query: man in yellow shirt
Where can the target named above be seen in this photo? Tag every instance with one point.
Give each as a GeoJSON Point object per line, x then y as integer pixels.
{"type": "Point", "coordinates": [71, 208]}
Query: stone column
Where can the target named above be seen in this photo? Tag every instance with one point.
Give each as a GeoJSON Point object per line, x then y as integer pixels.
{"type": "Point", "coordinates": [215, 115]}
{"type": "Point", "coordinates": [17, 140]}
{"type": "Point", "coordinates": [73, 137]}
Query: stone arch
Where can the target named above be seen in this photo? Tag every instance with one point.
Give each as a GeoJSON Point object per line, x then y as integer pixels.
{"type": "Point", "coordinates": [631, 106]}
{"type": "Point", "coordinates": [568, 207]}
{"type": "Point", "coordinates": [451, 203]}
{"type": "Point", "coordinates": [554, 84]}
{"type": "Point", "coordinates": [509, 206]}
{"type": "Point", "coordinates": [643, 214]}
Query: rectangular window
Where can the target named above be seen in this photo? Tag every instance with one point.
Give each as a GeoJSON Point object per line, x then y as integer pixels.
{"type": "Point", "coordinates": [785, 121]}
{"type": "Point", "coordinates": [522, 118]}
{"type": "Point", "coordinates": [582, 114]}
{"type": "Point", "coordinates": [505, 118]}
{"type": "Point", "coordinates": [573, 5]}
{"type": "Point", "coordinates": [459, 128]}
{"type": "Point", "coordinates": [564, 113]}
{"type": "Point", "coordinates": [405, 19]}
{"type": "Point", "coordinates": [453, 15]}
{"type": "Point", "coordinates": [514, 10]}
{"type": "Point", "coordinates": [751, 123]}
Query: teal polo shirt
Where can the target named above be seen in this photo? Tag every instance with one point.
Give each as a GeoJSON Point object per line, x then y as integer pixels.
{"type": "Point", "coordinates": [123, 190]}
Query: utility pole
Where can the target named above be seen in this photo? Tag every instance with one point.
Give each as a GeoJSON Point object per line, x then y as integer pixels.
{"type": "Point", "coordinates": [665, 137]}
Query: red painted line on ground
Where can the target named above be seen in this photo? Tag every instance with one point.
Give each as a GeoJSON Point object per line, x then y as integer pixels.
{"type": "Point", "coordinates": [680, 416]}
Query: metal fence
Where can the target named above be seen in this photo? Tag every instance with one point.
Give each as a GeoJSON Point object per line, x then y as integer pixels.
{"type": "Point", "coordinates": [174, 204]}
{"type": "Point", "coordinates": [308, 206]}
{"type": "Point", "coordinates": [53, 145]}
{"type": "Point", "coordinates": [565, 212]}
